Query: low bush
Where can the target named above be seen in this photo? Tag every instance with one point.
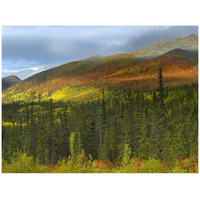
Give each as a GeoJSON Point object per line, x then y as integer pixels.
{"type": "Point", "coordinates": [151, 166]}
{"type": "Point", "coordinates": [22, 163]}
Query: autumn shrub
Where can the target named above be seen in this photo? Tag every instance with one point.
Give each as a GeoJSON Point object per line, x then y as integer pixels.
{"type": "Point", "coordinates": [21, 163]}
{"type": "Point", "coordinates": [102, 166]}
{"type": "Point", "coordinates": [132, 167]}
{"type": "Point", "coordinates": [178, 169]}
{"type": "Point", "coordinates": [82, 164]}
{"type": "Point", "coordinates": [151, 166]}
{"type": "Point", "coordinates": [79, 165]}
{"type": "Point", "coordinates": [187, 165]}
{"type": "Point", "coordinates": [60, 167]}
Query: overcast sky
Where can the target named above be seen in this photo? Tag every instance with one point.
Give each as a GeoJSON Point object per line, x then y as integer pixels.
{"type": "Point", "coordinates": [28, 50]}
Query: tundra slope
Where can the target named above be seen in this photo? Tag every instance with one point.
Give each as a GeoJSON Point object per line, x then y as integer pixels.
{"type": "Point", "coordinates": [177, 56]}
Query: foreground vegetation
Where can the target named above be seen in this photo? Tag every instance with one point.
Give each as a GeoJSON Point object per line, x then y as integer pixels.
{"type": "Point", "coordinates": [21, 163]}
{"type": "Point", "coordinates": [123, 131]}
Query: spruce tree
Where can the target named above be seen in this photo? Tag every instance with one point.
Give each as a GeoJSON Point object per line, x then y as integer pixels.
{"type": "Point", "coordinates": [64, 135]}
{"type": "Point", "coordinates": [161, 115]}
{"type": "Point", "coordinates": [13, 141]}
{"type": "Point", "coordinates": [75, 145]}
{"type": "Point", "coordinates": [144, 140]}
{"type": "Point", "coordinates": [154, 148]}
{"type": "Point", "coordinates": [126, 155]}
{"type": "Point", "coordinates": [33, 134]}
{"type": "Point", "coordinates": [50, 131]}
{"type": "Point", "coordinates": [137, 124]}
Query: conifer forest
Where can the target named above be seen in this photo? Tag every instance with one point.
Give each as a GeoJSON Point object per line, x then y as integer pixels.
{"type": "Point", "coordinates": [124, 130]}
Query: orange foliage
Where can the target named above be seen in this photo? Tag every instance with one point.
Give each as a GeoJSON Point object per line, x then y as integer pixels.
{"type": "Point", "coordinates": [176, 71]}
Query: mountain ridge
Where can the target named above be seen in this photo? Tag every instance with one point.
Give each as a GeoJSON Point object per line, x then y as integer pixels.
{"type": "Point", "coordinates": [9, 81]}
{"type": "Point", "coordinates": [177, 57]}
{"type": "Point", "coordinates": [138, 54]}
{"type": "Point", "coordinates": [189, 42]}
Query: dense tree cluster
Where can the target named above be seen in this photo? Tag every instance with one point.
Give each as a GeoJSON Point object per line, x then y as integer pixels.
{"type": "Point", "coordinates": [124, 123]}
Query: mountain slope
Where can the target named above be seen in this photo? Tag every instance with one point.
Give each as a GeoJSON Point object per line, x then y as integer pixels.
{"type": "Point", "coordinates": [184, 53]}
{"type": "Point", "coordinates": [8, 81]}
{"type": "Point", "coordinates": [81, 79]}
{"type": "Point", "coordinates": [187, 43]}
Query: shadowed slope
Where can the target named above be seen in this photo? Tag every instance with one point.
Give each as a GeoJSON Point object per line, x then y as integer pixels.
{"type": "Point", "coordinates": [8, 81]}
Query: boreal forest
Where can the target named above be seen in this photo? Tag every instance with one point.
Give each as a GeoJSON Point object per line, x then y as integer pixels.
{"type": "Point", "coordinates": [126, 113]}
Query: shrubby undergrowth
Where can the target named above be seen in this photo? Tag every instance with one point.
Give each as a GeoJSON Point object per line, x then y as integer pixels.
{"type": "Point", "coordinates": [21, 163]}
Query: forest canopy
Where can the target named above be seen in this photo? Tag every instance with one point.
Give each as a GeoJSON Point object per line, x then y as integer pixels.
{"type": "Point", "coordinates": [124, 130]}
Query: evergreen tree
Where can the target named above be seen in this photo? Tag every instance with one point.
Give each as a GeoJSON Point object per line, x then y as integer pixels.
{"type": "Point", "coordinates": [161, 115]}
{"type": "Point", "coordinates": [64, 135]}
{"type": "Point", "coordinates": [92, 140]}
{"type": "Point", "coordinates": [126, 155]}
{"type": "Point", "coordinates": [137, 124]}
{"type": "Point", "coordinates": [83, 127]}
{"type": "Point", "coordinates": [125, 136]}
{"type": "Point", "coordinates": [41, 147]}
{"type": "Point", "coordinates": [161, 95]}
{"type": "Point", "coordinates": [50, 131]}
{"type": "Point", "coordinates": [33, 134]}
{"type": "Point", "coordinates": [154, 148]}
{"type": "Point", "coordinates": [75, 145]}
{"type": "Point", "coordinates": [144, 141]}
{"type": "Point", "coordinates": [13, 141]}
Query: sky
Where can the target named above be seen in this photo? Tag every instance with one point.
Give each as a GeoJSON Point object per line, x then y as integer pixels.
{"type": "Point", "coordinates": [27, 50]}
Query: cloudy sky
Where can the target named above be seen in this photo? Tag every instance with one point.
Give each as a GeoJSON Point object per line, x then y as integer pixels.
{"type": "Point", "coordinates": [28, 50]}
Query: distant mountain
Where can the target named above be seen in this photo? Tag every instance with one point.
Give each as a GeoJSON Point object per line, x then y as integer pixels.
{"type": "Point", "coordinates": [8, 81]}
{"type": "Point", "coordinates": [178, 58]}
{"type": "Point", "coordinates": [189, 43]}
{"type": "Point", "coordinates": [185, 53]}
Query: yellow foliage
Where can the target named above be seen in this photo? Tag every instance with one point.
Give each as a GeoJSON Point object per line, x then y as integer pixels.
{"type": "Point", "coordinates": [56, 80]}
{"type": "Point", "coordinates": [11, 124]}
{"type": "Point", "coordinates": [77, 94]}
{"type": "Point", "coordinates": [84, 93]}
{"type": "Point", "coordinates": [58, 121]}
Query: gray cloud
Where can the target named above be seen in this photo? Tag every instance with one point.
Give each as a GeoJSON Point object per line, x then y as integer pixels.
{"type": "Point", "coordinates": [26, 48]}
{"type": "Point", "coordinates": [158, 34]}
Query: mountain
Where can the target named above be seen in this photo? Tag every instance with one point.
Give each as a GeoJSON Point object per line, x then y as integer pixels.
{"type": "Point", "coordinates": [8, 81]}
{"type": "Point", "coordinates": [83, 79]}
{"type": "Point", "coordinates": [192, 54]}
{"type": "Point", "coordinates": [189, 43]}
{"type": "Point", "coordinates": [72, 67]}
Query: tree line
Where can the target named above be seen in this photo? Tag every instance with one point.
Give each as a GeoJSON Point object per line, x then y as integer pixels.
{"type": "Point", "coordinates": [123, 123]}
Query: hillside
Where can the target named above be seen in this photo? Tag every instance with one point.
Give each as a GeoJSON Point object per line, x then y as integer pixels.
{"type": "Point", "coordinates": [82, 79]}
{"type": "Point", "coordinates": [187, 43]}
{"type": "Point", "coordinates": [8, 81]}
{"type": "Point", "coordinates": [185, 53]}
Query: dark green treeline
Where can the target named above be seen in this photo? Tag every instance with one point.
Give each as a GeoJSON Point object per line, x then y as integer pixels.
{"type": "Point", "coordinates": [160, 124]}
